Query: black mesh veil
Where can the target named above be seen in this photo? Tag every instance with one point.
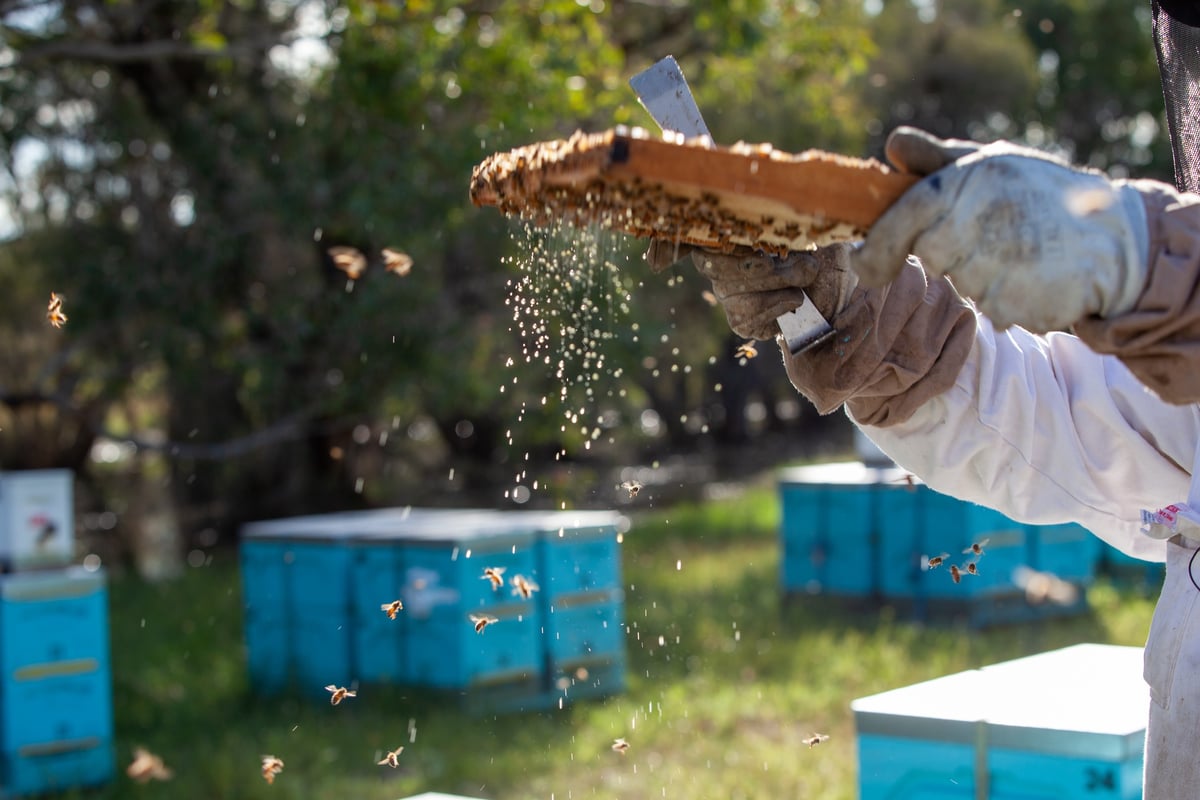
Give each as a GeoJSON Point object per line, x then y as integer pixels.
{"type": "Point", "coordinates": [1177, 39]}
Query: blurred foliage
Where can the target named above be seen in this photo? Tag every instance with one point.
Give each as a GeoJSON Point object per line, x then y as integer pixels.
{"type": "Point", "coordinates": [178, 172]}
{"type": "Point", "coordinates": [957, 73]}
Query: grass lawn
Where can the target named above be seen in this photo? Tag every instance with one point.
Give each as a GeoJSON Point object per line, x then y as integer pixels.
{"type": "Point", "coordinates": [724, 684]}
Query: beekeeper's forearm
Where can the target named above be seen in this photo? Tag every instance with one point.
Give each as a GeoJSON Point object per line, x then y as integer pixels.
{"type": "Point", "coordinates": [1045, 430]}
{"type": "Point", "coordinates": [1159, 339]}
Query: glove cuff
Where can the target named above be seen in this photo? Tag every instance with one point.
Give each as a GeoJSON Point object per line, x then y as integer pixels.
{"type": "Point", "coordinates": [1158, 339]}
{"type": "Point", "coordinates": [1136, 242]}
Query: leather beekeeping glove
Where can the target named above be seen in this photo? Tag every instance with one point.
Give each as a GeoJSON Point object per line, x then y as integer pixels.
{"type": "Point", "coordinates": [1032, 240]}
{"type": "Point", "coordinates": [754, 288]}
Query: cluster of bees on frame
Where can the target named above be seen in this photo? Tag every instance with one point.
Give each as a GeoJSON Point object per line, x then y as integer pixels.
{"type": "Point", "coordinates": [970, 567]}
{"type": "Point", "coordinates": [567, 179]}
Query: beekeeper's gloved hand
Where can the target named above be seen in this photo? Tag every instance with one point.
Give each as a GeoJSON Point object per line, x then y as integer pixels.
{"type": "Point", "coordinates": [755, 288]}
{"type": "Point", "coordinates": [1034, 241]}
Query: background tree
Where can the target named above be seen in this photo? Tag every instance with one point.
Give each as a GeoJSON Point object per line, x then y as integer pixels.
{"type": "Point", "coordinates": [180, 171]}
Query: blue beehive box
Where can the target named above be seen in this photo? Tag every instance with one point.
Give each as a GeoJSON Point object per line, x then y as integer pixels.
{"type": "Point", "coordinates": [852, 530]}
{"type": "Point", "coordinates": [444, 563]}
{"type": "Point", "coordinates": [1063, 725]}
{"type": "Point", "coordinates": [585, 628]}
{"type": "Point", "coordinates": [829, 528]}
{"type": "Point", "coordinates": [578, 551]}
{"type": "Point", "coordinates": [380, 644]}
{"type": "Point", "coordinates": [918, 521]}
{"type": "Point", "coordinates": [583, 604]}
{"type": "Point", "coordinates": [57, 766]}
{"type": "Point", "coordinates": [296, 596]}
{"type": "Point", "coordinates": [56, 716]}
{"type": "Point", "coordinates": [300, 562]}
{"type": "Point", "coordinates": [378, 575]}
{"type": "Point", "coordinates": [339, 569]}
{"type": "Point", "coordinates": [578, 572]}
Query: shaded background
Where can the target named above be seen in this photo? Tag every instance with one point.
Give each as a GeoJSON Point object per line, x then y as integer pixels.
{"type": "Point", "coordinates": [178, 171]}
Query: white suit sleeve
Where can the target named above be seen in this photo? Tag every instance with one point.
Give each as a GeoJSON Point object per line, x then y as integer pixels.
{"type": "Point", "coordinates": [1045, 430]}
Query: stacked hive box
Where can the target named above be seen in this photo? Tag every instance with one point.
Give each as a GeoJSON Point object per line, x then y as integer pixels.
{"type": "Point", "coordinates": [435, 566]}
{"type": "Point", "coordinates": [859, 532]}
{"type": "Point", "coordinates": [56, 718]}
{"type": "Point", "coordinates": [583, 605]}
{"type": "Point", "coordinates": [296, 596]}
{"type": "Point", "coordinates": [1064, 725]}
{"type": "Point", "coordinates": [337, 570]}
{"type": "Point", "coordinates": [830, 529]}
{"type": "Point", "coordinates": [37, 519]}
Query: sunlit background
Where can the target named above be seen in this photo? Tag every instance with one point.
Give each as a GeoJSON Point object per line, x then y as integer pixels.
{"type": "Point", "coordinates": [183, 174]}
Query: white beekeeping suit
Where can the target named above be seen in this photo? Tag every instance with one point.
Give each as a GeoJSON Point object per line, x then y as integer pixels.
{"type": "Point", "coordinates": [1046, 430]}
{"type": "Point", "coordinates": [1098, 426]}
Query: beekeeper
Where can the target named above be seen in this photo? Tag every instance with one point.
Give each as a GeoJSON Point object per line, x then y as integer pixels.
{"type": "Point", "coordinates": [991, 401]}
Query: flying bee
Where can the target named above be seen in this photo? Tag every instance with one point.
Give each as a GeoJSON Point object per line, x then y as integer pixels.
{"type": "Point", "coordinates": [746, 350]}
{"type": "Point", "coordinates": [271, 766]}
{"type": "Point", "coordinates": [815, 739]}
{"type": "Point", "coordinates": [147, 766]}
{"type": "Point", "coordinates": [392, 759]}
{"type": "Point", "coordinates": [493, 574]}
{"type": "Point", "coordinates": [482, 621]}
{"type": "Point", "coordinates": [620, 746]}
{"type": "Point", "coordinates": [709, 297]}
{"type": "Point", "coordinates": [633, 487]}
{"type": "Point", "coordinates": [397, 261]}
{"type": "Point", "coordinates": [972, 568]}
{"type": "Point", "coordinates": [933, 562]}
{"type": "Point", "coordinates": [955, 573]}
{"type": "Point", "coordinates": [523, 586]}
{"type": "Point", "coordinates": [392, 608]}
{"type": "Point", "coordinates": [349, 260]}
{"type": "Point", "coordinates": [977, 547]}
{"type": "Point", "coordinates": [54, 311]}
{"type": "Point", "coordinates": [340, 693]}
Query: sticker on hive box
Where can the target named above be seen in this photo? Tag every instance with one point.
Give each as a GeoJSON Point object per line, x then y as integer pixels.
{"type": "Point", "coordinates": [37, 525]}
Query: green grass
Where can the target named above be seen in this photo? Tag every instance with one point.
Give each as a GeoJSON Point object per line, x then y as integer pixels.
{"type": "Point", "coordinates": [724, 683]}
